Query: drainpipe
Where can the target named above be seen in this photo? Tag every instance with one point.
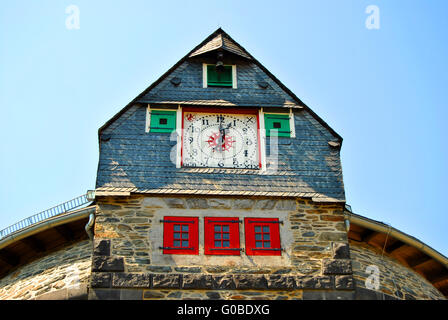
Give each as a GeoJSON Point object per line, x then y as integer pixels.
{"type": "Point", "coordinates": [89, 225]}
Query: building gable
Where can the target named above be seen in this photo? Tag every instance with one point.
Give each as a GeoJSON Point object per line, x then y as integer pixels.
{"type": "Point", "coordinates": [134, 160]}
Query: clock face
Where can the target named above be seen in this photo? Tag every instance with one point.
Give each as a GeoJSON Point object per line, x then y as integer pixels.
{"type": "Point", "coordinates": [222, 140]}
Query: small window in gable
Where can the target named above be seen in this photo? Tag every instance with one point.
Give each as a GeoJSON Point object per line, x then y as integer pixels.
{"type": "Point", "coordinates": [278, 122]}
{"type": "Point", "coordinates": [180, 235]}
{"type": "Point", "coordinates": [219, 79]}
{"type": "Point", "coordinates": [163, 121]}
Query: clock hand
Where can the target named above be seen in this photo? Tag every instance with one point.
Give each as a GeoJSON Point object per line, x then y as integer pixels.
{"type": "Point", "coordinates": [222, 135]}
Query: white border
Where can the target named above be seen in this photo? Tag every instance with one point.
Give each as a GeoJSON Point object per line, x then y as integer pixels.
{"type": "Point", "coordinates": [179, 130]}
{"type": "Point", "coordinates": [292, 126]}
{"type": "Point", "coordinates": [148, 118]}
{"type": "Point", "coordinates": [234, 84]}
{"type": "Point", "coordinates": [262, 140]}
{"type": "Point", "coordinates": [204, 75]}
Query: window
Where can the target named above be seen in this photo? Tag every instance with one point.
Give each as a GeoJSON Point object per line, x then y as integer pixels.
{"type": "Point", "coordinates": [180, 235]}
{"type": "Point", "coordinates": [163, 121]}
{"type": "Point", "coordinates": [262, 236]}
{"type": "Point", "coordinates": [279, 122]}
{"type": "Point", "coordinates": [219, 79]}
{"type": "Point", "coordinates": [222, 236]}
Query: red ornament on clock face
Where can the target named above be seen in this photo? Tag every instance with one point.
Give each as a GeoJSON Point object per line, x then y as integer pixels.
{"type": "Point", "coordinates": [220, 142]}
{"type": "Point", "coordinates": [223, 140]}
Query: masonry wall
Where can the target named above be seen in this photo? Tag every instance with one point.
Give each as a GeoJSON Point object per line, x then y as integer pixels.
{"type": "Point", "coordinates": [395, 279]}
{"type": "Point", "coordinates": [64, 274]}
{"type": "Point", "coordinates": [128, 264]}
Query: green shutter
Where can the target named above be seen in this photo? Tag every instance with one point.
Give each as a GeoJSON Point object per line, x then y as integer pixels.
{"type": "Point", "coordinates": [279, 122]}
{"type": "Point", "coordinates": [222, 79]}
{"type": "Point", "coordinates": [163, 121]}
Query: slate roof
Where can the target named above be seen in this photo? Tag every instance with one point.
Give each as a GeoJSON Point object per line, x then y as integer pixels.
{"type": "Point", "coordinates": [132, 160]}
{"type": "Point", "coordinates": [221, 41]}
{"type": "Point", "coordinates": [190, 90]}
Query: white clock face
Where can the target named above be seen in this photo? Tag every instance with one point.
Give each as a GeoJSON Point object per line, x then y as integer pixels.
{"type": "Point", "coordinates": [222, 140]}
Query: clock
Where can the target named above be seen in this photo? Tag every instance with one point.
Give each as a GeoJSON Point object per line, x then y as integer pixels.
{"type": "Point", "coordinates": [220, 139]}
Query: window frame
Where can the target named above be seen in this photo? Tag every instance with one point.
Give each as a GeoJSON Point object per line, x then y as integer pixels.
{"type": "Point", "coordinates": [155, 114]}
{"type": "Point", "coordinates": [205, 83]}
{"type": "Point", "coordinates": [169, 223]}
{"type": "Point", "coordinates": [269, 118]}
{"type": "Point", "coordinates": [233, 224]}
{"type": "Point", "coordinates": [250, 231]}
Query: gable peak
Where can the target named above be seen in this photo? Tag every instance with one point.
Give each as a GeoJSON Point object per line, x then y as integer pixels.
{"type": "Point", "coordinates": [220, 40]}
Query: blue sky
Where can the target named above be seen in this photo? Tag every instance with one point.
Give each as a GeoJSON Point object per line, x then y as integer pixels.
{"type": "Point", "coordinates": [383, 90]}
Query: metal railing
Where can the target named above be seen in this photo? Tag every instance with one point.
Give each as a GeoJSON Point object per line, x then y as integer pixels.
{"type": "Point", "coordinates": [41, 216]}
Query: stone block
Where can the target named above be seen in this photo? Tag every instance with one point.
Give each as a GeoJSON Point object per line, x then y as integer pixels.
{"type": "Point", "coordinates": [102, 263]}
{"type": "Point", "coordinates": [131, 280]}
{"type": "Point", "coordinates": [174, 295]}
{"type": "Point", "coordinates": [282, 271]}
{"type": "Point", "coordinates": [107, 207]}
{"type": "Point", "coordinates": [288, 205]}
{"type": "Point", "coordinates": [341, 251]}
{"type": "Point", "coordinates": [167, 281]}
{"type": "Point", "coordinates": [101, 247]}
{"type": "Point", "coordinates": [280, 282]}
{"type": "Point", "coordinates": [159, 269]}
{"type": "Point", "coordinates": [220, 203]}
{"type": "Point", "coordinates": [101, 280]}
{"type": "Point", "coordinates": [197, 281]}
{"type": "Point", "coordinates": [175, 203]}
{"type": "Point", "coordinates": [216, 269]}
{"type": "Point", "coordinates": [344, 282]}
{"type": "Point", "coordinates": [308, 234]}
{"type": "Point", "coordinates": [333, 236]}
{"type": "Point", "coordinates": [213, 295]}
{"type": "Point", "coordinates": [54, 295]}
{"type": "Point", "coordinates": [104, 294]}
{"type": "Point", "coordinates": [243, 282]}
{"type": "Point", "coordinates": [197, 203]}
{"type": "Point", "coordinates": [153, 202]}
{"type": "Point", "coordinates": [136, 220]}
{"type": "Point", "coordinates": [244, 204]}
{"type": "Point", "coordinates": [265, 204]}
{"type": "Point", "coordinates": [313, 295]}
{"type": "Point", "coordinates": [388, 297]}
{"type": "Point", "coordinates": [326, 217]}
{"type": "Point", "coordinates": [224, 282]}
{"type": "Point", "coordinates": [339, 295]}
{"type": "Point", "coordinates": [131, 294]}
{"type": "Point", "coordinates": [304, 247]}
{"type": "Point", "coordinates": [366, 294]}
{"type": "Point", "coordinates": [336, 266]}
{"type": "Point", "coordinates": [188, 269]}
{"type": "Point", "coordinates": [150, 294]}
{"type": "Point", "coordinates": [314, 282]}
{"type": "Point", "coordinates": [77, 292]}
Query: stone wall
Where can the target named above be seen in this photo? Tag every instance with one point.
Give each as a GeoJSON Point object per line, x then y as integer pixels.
{"type": "Point", "coordinates": [127, 261]}
{"type": "Point", "coordinates": [395, 280]}
{"type": "Point", "coordinates": [64, 274]}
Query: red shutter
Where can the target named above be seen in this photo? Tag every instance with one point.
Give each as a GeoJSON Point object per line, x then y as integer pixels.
{"type": "Point", "coordinates": [221, 236]}
{"type": "Point", "coordinates": [180, 235]}
{"type": "Point", "coordinates": [262, 236]}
